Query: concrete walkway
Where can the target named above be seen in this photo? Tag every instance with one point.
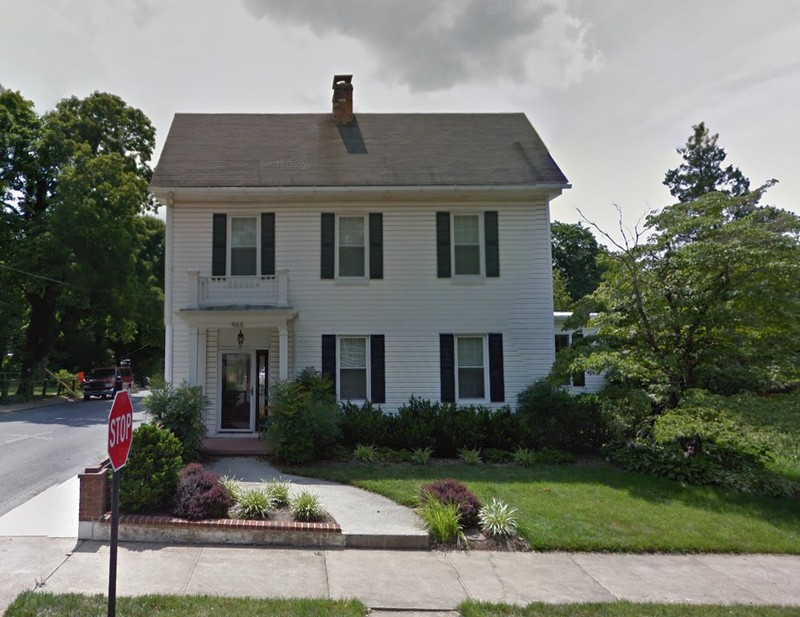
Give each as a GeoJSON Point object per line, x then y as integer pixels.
{"type": "Point", "coordinates": [366, 519]}
{"type": "Point", "coordinates": [406, 580]}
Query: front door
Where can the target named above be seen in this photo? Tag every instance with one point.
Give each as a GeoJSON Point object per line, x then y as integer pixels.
{"type": "Point", "coordinates": [237, 392]}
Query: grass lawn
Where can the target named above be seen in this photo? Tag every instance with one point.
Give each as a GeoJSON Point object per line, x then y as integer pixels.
{"type": "Point", "coordinates": [31, 604]}
{"type": "Point", "coordinates": [622, 609]}
{"type": "Point", "coordinates": [594, 507]}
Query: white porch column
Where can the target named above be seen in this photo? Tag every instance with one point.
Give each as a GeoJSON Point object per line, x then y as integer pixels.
{"type": "Point", "coordinates": [283, 353]}
{"type": "Point", "coordinates": [192, 356]}
{"type": "Point", "coordinates": [202, 355]}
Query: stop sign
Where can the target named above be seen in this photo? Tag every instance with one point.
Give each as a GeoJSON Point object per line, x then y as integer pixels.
{"type": "Point", "coordinates": [120, 429]}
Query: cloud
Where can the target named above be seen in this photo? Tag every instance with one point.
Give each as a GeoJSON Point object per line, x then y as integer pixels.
{"type": "Point", "coordinates": [436, 45]}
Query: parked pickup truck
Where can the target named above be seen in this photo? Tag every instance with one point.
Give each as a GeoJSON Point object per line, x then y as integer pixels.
{"type": "Point", "coordinates": [105, 382]}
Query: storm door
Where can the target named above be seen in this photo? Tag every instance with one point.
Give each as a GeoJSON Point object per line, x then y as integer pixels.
{"type": "Point", "coordinates": [237, 392]}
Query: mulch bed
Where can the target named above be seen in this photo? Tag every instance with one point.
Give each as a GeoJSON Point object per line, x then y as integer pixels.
{"type": "Point", "coordinates": [477, 541]}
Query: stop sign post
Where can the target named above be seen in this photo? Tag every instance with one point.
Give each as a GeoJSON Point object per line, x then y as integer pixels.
{"type": "Point", "coordinates": [120, 435]}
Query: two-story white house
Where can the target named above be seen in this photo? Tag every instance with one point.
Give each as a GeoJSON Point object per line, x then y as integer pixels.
{"type": "Point", "coordinates": [400, 254]}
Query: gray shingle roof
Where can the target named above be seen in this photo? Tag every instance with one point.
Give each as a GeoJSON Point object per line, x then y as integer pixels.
{"type": "Point", "coordinates": [299, 150]}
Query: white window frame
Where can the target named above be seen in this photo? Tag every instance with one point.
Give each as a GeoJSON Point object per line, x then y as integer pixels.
{"type": "Point", "coordinates": [367, 367]}
{"type": "Point", "coordinates": [481, 246]}
{"type": "Point", "coordinates": [229, 247]}
{"type": "Point", "coordinates": [485, 347]}
{"type": "Point", "coordinates": [365, 220]}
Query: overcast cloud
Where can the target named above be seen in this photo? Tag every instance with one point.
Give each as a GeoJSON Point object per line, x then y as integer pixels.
{"type": "Point", "coordinates": [434, 46]}
{"type": "Point", "coordinates": [612, 86]}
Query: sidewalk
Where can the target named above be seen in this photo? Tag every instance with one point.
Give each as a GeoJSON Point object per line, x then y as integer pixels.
{"type": "Point", "coordinates": [400, 579]}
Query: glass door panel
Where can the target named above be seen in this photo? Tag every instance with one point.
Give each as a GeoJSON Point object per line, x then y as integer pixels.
{"type": "Point", "coordinates": [262, 395]}
{"type": "Point", "coordinates": [236, 392]}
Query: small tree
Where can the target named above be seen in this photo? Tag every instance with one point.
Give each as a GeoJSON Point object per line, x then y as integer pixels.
{"type": "Point", "coordinates": [181, 411]}
{"type": "Point", "coordinates": [302, 422]}
{"type": "Point", "coordinates": [703, 287]}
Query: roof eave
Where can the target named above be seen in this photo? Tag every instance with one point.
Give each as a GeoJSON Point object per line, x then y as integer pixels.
{"type": "Point", "coordinates": [167, 194]}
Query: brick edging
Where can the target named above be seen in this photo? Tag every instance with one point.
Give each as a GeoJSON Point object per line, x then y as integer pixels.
{"type": "Point", "coordinates": [237, 524]}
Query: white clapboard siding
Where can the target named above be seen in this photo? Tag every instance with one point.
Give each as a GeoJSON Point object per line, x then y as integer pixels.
{"type": "Point", "coordinates": [410, 306]}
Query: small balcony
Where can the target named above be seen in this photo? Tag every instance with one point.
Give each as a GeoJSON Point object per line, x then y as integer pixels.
{"type": "Point", "coordinates": [218, 291]}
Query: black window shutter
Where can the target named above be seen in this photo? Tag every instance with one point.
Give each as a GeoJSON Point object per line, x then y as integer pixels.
{"type": "Point", "coordinates": [267, 243]}
{"type": "Point", "coordinates": [329, 359]}
{"type": "Point", "coordinates": [447, 367]}
{"type": "Point", "coordinates": [219, 248]}
{"type": "Point", "coordinates": [497, 390]}
{"type": "Point", "coordinates": [377, 369]}
{"type": "Point", "coordinates": [443, 244]}
{"type": "Point", "coordinates": [492, 244]}
{"type": "Point", "coordinates": [328, 246]}
{"type": "Point", "coordinates": [375, 245]}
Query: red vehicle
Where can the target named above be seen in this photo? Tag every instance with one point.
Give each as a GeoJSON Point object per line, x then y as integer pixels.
{"type": "Point", "coordinates": [106, 382]}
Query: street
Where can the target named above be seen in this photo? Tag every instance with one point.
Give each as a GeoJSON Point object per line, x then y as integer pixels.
{"type": "Point", "coordinates": [40, 448]}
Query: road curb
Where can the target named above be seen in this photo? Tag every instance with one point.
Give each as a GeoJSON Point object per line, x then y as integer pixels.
{"type": "Point", "coordinates": [58, 400]}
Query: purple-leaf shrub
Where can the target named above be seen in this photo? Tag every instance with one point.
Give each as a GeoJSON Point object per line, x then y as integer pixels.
{"type": "Point", "coordinates": [450, 490]}
{"type": "Point", "coordinates": [200, 495]}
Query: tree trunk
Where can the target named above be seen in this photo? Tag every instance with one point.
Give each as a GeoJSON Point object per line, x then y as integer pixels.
{"type": "Point", "coordinates": [38, 339]}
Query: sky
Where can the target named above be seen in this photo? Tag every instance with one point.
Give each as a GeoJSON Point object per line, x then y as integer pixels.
{"type": "Point", "coordinates": [613, 87]}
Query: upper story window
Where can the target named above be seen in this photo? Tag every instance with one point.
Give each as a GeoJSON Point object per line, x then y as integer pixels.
{"type": "Point", "coordinates": [467, 245]}
{"type": "Point", "coordinates": [244, 246]}
{"type": "Point", "coordinates": [352, 244]}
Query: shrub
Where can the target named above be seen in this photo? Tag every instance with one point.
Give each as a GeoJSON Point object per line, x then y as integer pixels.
{"type": "Point", "coordinates": [498, 520]}
{"type": "Point", "coordinates": [150, 479]}
{"type": "Point", "coordinates": [469, 456]}
{"type": "Point", "coordinates": [503, 429]}
{"type": "Point", "coordinates": [201, 495]}
{"type": "Point", "coordinates": [716, 465]}
{"type": "Point", "coordinates": [441, 520]}
{"type": "Point", "coordinates": [458, 428]}
{"type": "Point", "coordinates": [361, 424]}
{"type": "Point", "coordinates": [556, 419]}
{"type": "Point", "coordinates": [450, 490]}
{"type": "Point", "coordinates": [279, 491]}
{"type": "Point", "coordinates": [414, 425]}
{"type": "Point", "coordinates": [365, 453]}
{"type": "Point", "coordinates": [306, 507]}
{"type": "Point", "coordinates": [254, 503]}
{"type": "Point", "coordinates": [422, 456]}
{"type": "Point", "coordinates": [180, 410]}
{"type": "Point", "coordinates": [303, 418]}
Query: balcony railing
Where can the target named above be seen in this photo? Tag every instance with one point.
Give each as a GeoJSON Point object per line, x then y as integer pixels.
{"type": "Point", "coordinates": [215, 291]}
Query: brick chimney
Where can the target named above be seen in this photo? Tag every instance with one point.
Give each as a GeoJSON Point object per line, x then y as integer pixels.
{"type": "Point", "coordinates": [342, 99]}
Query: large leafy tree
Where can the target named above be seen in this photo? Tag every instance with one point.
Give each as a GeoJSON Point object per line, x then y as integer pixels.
{"type": "Point", "coordinates": [575, 258]}
{"type": "Point", "coordinates": [705, 294]}
{"type": "Point", "coordinates": [74, 188]}
{"type": "Point", "coordinates": [702, 171]}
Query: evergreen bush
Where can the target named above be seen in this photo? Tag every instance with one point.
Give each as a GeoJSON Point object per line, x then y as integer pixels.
{"type": "Point", "coordinates": [149, 480]}
{"type": "Point", "coordinates": [181, 411]}
{"type": "Point", "coordinates": [302, 423]}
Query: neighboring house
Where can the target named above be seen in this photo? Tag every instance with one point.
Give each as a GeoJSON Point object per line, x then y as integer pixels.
{"type": "Point", "coordinates": [400, 254]}
{"type": "Point", "coordinates": [579, 382]}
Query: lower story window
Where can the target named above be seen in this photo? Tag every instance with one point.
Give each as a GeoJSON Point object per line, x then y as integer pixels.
{"type": "Point", "coordinates": [353, 368]}
{"type": "Point", "coordinates": [471, 367]}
